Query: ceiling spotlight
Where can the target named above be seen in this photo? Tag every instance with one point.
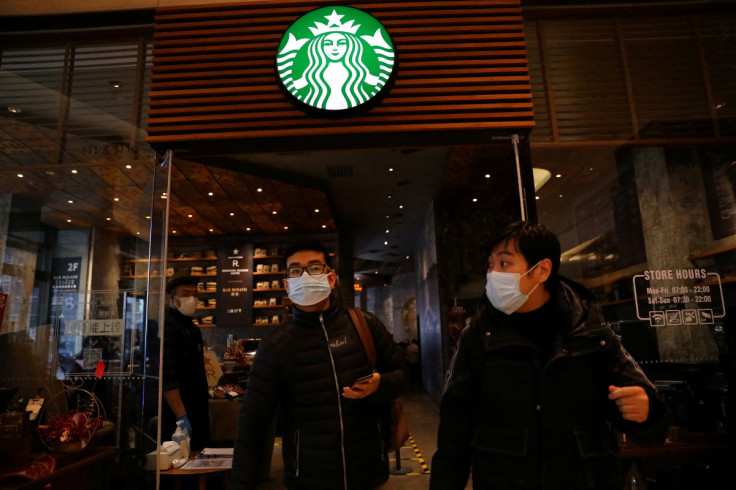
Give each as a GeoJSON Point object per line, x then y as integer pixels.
{"type": "Point", "coordinates": [324, 226]}
{"type": "Point", "coordinates": [558, 176]}
{"type": "Point", "coordinates": [129, 166]}
{"type": "Point", "coordinates": [390, 169]}
{"type": "Point", "coordinates": [389, 196]}
{"type": "Point", "coordinates": [148, 217]}
{"type": "Point", "coordinates": [407, 257]}
{"type": "Point", "coordinates": [210, 193]}
{"type": "Point", "coordinates": [189, 216]}
{"type": "Point", "coordinates": [173, 231]}
{"type": "Point", "coordinates": [247, 229]}
{"type": "Point", "coordinates": [108, 219]}
{"type": "Point", "coordinates": [211, 230]}
{"type": "Point", "coordinates": [70, 201]}
{"type": "Point", "coordinates": [273, 212]}
{"type": "Point", "coordinates": [316, 210]}
{"type": "Point", "coordinates": [115, 199]}
{"type": "Point", "coordinates": [385, 243]}
{"type": "Point", "coordinates": [50, 172]}
{"type": "Point", "coordinates": [560, 195]}
{"type": "Point", "coordinates": [137, 232]}
{"type": "Point", "coordinates": [259, 190]}
{"type": "Point", "coordinates": [115, 84]}
{"type": "Point", "coordinates": [488, 176]}
{"type": "Point", "coordinates": [232, 214]}
{"type": "Point", "coordinates": [401, 206]}
{"type": "Point", "coordinates": [375, 272]}
{"type": "Point", "coordinates": [475, 199]}
{"type": "Point", "coordinates": [286, 227]}
{"type": "Point", "coordinates": [74, 171]}
{"type": "Point", "coordinates": [388, 216]}
{"type": "Point", "coordinates": [20, 176]}
{"type": "Point", "coordinates": [68, 221]}
{"type": "Point", "coordinates": [14, 110]}
{"type": "Point", "coordinates": [537, 198]}
{"type": "Point", "coordinates": [387, 231]}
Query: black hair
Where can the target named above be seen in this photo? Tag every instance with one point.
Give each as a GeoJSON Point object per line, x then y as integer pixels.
{"type": "Point", "coordinates": [534, 241]}
{"type": "Point", "coordinates": [306, 246]}
{"type": "Point", "coordinates": [180, 280]}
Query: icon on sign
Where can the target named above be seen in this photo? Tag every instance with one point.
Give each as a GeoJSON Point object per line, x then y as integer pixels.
{"type": "Point", "coordinates": [674, 317]}
{"type": "Point", "coordinates": [690, 317]}
{"type": "Point", "coordinates": [705, 316]}
{"type": "Point", "coordinates": [656, 319]}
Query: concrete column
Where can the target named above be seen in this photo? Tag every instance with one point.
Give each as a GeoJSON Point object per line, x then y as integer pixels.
{"type": "Point", "coordinates": [675, 221]}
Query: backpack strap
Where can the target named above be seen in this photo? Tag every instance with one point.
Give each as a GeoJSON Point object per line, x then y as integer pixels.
{"type": "Point", "coordinates": [361, 326]}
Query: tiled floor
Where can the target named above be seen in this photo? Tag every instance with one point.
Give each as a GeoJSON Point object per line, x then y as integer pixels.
{"type": "Point", "coordinates": [415, 458]}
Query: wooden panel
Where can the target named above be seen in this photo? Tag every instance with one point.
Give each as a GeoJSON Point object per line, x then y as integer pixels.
{"type": "Point", "coordinates": [462, 68]}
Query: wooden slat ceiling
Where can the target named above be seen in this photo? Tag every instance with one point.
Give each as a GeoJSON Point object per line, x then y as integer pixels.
{"type": "Point", "coordinates": [462, 66]}
{"type": "Point", "coordinates": [242, 204]}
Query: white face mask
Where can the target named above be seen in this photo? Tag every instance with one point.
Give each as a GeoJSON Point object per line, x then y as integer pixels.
{"type": "Point", "coordinates": [502, 289]}
{"type": "Point", "coordinates": [187, 306]}
{"type": "Point", "coordinates": [308, 290]}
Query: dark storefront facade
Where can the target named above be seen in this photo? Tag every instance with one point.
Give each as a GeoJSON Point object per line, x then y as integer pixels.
{"type": "Point", "coordinates": [173, 139]}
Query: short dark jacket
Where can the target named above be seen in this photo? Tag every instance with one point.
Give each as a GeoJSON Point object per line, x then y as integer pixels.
{"type": "Point", "coordinates": [302, 367]}
{"type": "Point", "coordinates": [522, 420]}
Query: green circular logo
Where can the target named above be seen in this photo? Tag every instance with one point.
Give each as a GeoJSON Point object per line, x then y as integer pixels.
{"type": "Point", "coordinates": [335, 58]}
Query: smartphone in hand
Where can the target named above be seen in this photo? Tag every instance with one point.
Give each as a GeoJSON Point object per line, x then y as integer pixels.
{"type": "Point", "coordinates": [362, 378]}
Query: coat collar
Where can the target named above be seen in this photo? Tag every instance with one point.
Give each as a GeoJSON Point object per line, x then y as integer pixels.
{"type": "Point", "coordinates": [308, 318]}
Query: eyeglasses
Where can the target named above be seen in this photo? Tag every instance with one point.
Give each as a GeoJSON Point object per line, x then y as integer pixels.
{"type": "Point", "coordinates": [312, 269]}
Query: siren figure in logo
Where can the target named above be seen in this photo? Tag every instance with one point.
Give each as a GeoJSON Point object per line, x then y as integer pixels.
{"type": "Point", "coordinates": [336, 75]}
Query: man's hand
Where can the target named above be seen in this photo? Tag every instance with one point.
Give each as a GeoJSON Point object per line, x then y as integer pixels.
{"type": "Point", "coordinates": [185, 424]}
{"type": "Point", "coordinates": [363, 388]}
{"type": "Point", "coordinates": [632, 402]}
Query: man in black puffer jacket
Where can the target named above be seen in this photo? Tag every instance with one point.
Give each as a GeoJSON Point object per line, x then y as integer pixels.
{"type": "Point", "coordinates": [537, 381]}
{"type": "Point", "coordinates": [334, 430]}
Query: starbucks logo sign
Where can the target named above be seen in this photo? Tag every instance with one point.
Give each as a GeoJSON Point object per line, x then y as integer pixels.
{"type": "Point", "coordinates": [335, 59]}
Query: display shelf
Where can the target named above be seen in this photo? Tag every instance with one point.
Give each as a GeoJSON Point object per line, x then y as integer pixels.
{"type": "Point", "coordinates": [202, 259]}
{"type": "Point", "coordinates": [270, 306]}
{"type": "Point", "coordinates": [266, 290]}
{"type": "Point", "coordinates": [268, 257]}
{"type": "Point", "coordinates": [207, 308]}
{"type": "Point", "coordinates": [204, 275]}
{"type": "Point", "coordinates": [278, 273]}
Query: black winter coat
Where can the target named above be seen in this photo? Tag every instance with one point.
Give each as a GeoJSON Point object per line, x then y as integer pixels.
{"type": "Point", "coordinates": [328, 441]}
{"type": "Point", "coordinates": [521, 420]}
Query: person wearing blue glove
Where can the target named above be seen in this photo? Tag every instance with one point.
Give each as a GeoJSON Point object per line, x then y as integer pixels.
{"type": "Point", "coordinates": [184, 378]}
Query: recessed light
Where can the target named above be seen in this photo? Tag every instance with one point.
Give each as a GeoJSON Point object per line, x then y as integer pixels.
{"type": "Point", "coordinates": [129, 166]}
{"type": "Point", "coordinates": [137, 232]}
{"type": "Point", "coordinates": [286, 227]}
{"type": "Point", "coordinates": [385, 243]}
{"type": "Point", "coordinates": [324, 226]}
{"type": "Point", "coordinates": [389, 196]}
{"type": "Point", "coordinates": [401, 206]}
{"type": "Point", "coordinates": [388, 216]}
{"type": "Point", "coordinates": [189, 216]}
{"type": "Point", "coordinates": [390, 169]}
{"type": "Point", "coordinates": [232, 214]}
{"type": "Point", "coordinates": [115, 199]}
{"type": "Point", "coordinates": [74, 171]}
{"type": "Point", "coordinates": [273, 212]}
{"type": "Point", "coordinates": [115, 84]}
{"type": "Point", "coordinates": [68, 221]}
{"type": "Point", "coordinates": [247, 229]}
{"type": "Point", "coordinates": [375, 272]}
{"type": "Point", "coordinates": [70, 201]}
{"type": "Point", "coordinates": [475, 199]}
{"type": "Point", "coordinates": [210, 193]}
{"type": "Point", "coordinates": [560, 195]}
{"type": "Point", "coordinates": [211, 230]}
{"type": "Point", "coordinates": [108, 219]}
{"type": "Point", "coordinates": [316, 210]}
{"type": "Point", "coordinates": [388, 231]}
{"type": "Point", "coordinates": [148, 217]}
{"type": "Point", "coordinates": [558, 175]}
{"type": "Point", "coordinates": [537, 198]}
{"type": "Point", "coordinates": [488, 176]}
{"type": "Point", "coordinates": [50, 172]}
{"type": "Point", "coordinates": [20, 176]}
{"type": "Point", "coordinates": [259, 190]}
{"type": "Point", "coordinates": [14, 110]}
{"type": "Point", "coordinates": [407, 257]}
{"type": "Point", "coordinates": [173, 231]}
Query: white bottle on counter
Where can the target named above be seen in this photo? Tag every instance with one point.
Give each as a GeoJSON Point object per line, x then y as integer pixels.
{"type": "Point", "coordinates": [181, 437]}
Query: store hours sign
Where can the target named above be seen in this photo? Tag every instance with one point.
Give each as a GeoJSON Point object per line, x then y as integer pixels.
{"type": "Point", "coordinates": [335, 60]}
{"type": "Point", "coordinates": [679, 297]}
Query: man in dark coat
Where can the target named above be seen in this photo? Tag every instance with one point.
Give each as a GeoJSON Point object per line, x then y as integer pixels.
{"type": "Point", "coordinates": [334, 428]}
{"type": "Point", "coordinates": [184, 377]}
{"type": "Point", "coordinates": [537, 381]}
